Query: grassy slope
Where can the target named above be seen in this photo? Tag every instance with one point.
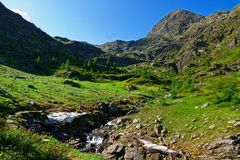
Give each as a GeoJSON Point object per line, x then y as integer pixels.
{"type": "Point", "coordinates": [50, 92]}
{"type": "Point", "coordinates": [178, 117]}
{"type": "Point", "coordinates": [23, 145]}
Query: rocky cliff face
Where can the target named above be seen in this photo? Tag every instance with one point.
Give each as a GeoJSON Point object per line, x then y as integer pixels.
{"type": "Point", "coordinates": [207, 38]}
{"type": "Point", "coordinates": [175, 24]}
{"type": "Point", "coordinates": [185, 39]}
{"type": "Point", "coordinates": [159, 41]}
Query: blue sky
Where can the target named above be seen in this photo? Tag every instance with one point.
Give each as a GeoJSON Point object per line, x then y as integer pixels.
{"type": "Point", "coordinates": [100, 21]}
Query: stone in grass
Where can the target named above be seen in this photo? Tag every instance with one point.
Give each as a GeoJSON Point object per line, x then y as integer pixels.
{"type": "Point", "coordinates": [205, 106]}
{"type": "Point", "coordinates": [139, 126]}
{"type": "Point", "coordinates": [158, 128]}
{"type": "Point", "coordinates": [194, 120]}
{"type": "Point", "coordinates": [136, 120]}
{"type": "Point", "coordinates": [167, 96]}
{"type": "Point", "coordinates": [178, 101]}
{"type": "Point", "coordinates": [235, 123]}
{"type": "Point", "coordinates": [212, 127]}
{"type": "Point", "coordinates": [159, 120]}
{"type": "Point", "coordinates": [196, 107]}
{"type": "Point", "coordinates": [9, 121]}
{"type": "Point", "coordinates": [46, 140]}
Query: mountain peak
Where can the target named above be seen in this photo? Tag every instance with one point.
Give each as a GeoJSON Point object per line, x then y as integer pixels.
{"type": "Point", "coordinates": [175, 24]}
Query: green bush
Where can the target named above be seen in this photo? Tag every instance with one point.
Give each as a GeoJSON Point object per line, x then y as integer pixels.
{"type": "Point", "coordinates": [228, 92]}
{"type": "Point", "coordinates": [174, 89]}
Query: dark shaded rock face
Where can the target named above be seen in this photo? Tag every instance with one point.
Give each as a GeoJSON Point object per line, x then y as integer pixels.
{"type": "Point", "coordinates": [227, 148]}
{"type": "Point", "coordinates": [21, 43]}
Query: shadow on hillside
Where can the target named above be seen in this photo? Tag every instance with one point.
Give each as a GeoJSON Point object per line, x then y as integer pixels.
{"type": "Point", "coordinates": [26, 147]}
{"type": "Point", "coordinates": [8, 104]}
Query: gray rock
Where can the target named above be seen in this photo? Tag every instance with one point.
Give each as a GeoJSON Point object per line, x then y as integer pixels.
{"type": "Point", "coordinates": [156, 156]}
{"type": "Point", "coordinates": [132, 154]}
{"type": "Point", "coordinates": [167, 96]}
{"type": "Point", "coordinates": [158, 128]}
{"type": "Point", "coordinates": [9, 121]}
{"type": "Point", "coordinates": [113, 151]}
{"type": "Point", "coordinates": [235, 123]}
{"type": "Point", "coordinates": [212, 127]}
{"type": "Point", "coordinates": [205, 106]}
{"type": "Point", "coordinates": [194, 120]}
{"type": "Point", "coordinates": [223, 148]}
{"type": "Point", "coordinates": [138, 126]}
{"type": "Point", "coordinates": [164, 132]}
{"type": "Point", "coordinates": [159, 120]}
{"type": "Point", "coordinates": [136, 120]}
{"type": "Point", "coordinates": [178, 101]}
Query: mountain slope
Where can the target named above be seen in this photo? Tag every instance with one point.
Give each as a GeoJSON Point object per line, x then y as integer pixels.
{"type": "Point", "coordinates": [22, 44]}
{"type": "Point", "coordinates": [159, 41]}
{"type": "Point", "coordinates": [175, 24]}
{"type": "Point", "coordinates": [210, 39]}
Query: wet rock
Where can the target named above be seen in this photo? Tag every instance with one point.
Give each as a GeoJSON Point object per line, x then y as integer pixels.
{"type": "Point", "coordinates": [103, 107]}
{"type": "Point", "coordinates": [113, 109]}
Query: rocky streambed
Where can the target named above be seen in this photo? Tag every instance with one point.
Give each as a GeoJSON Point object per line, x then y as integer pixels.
{"type": "Point", "coordinates": [104, 131]}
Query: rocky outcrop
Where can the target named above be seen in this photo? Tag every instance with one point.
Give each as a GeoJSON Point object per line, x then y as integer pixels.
{"type": "Point", "coordinates": [208, 38]}
{"type": "Point", "coordinates": [175, 24]}
{"type": "Point", "coordinates": [224, 148]}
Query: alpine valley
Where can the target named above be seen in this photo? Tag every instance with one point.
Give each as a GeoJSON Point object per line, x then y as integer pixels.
{"type": "Point", "coordinates": [174, 94]}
